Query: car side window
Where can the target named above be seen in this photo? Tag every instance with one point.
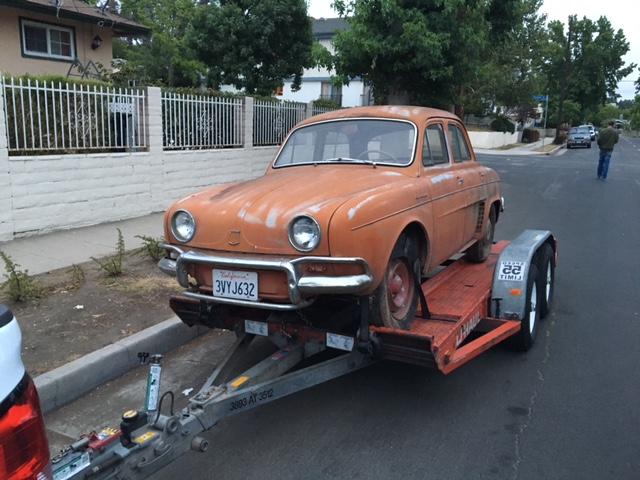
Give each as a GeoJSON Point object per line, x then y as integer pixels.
{"type": "Point", "coordinates": [459, 147]}
{"type": "Point", "coordinates": [434, 150]}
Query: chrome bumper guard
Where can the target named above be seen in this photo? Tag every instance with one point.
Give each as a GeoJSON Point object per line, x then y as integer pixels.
{"type": "Point", "coordinates": [302, 289]}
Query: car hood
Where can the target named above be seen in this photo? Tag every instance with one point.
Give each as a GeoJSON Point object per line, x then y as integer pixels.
{"type": "Point", "coordinates": [254, 216]}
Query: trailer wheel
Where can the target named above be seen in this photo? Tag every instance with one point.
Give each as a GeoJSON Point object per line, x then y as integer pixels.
{"type": "Point", "coordinates": [546, 280]}
{"type": "Point", "coordinates": [525, 338]}
{"type": "Point", "coordinates": [395, 301]}
{"type": "Point", "coordinates": [479, 251]}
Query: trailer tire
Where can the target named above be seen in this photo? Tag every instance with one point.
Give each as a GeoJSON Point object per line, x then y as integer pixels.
{"type": "Point", "coordinates": [479, 251]}
{"type": "Point", "coordinates": [395, 301]}
{"type": "Point", "coordinates": [547, 278]}
{"type": "Point", "coordinates": [526, 336]}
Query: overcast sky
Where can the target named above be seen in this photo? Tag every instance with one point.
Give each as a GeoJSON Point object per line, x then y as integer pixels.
{"type": "Point", "coordinates": [624, 14]}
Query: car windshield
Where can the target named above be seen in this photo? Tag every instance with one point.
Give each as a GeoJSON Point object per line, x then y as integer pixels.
{"type": "Point", "coordinates": [579, 131]}
{"type": "Point", "coordinates": [388, 142]}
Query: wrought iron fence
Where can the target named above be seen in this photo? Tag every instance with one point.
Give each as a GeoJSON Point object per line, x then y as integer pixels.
{"type": "Point", "coordinates": [317, 110]}
{"type": "Point", "coordinates": [195, 122]}
{"type": "Point", "coordinates": [54, 117]}
{"type": "Point", "coordinates": [272, 120]}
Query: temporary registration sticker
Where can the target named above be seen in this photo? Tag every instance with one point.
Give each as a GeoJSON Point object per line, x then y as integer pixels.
{"type": "Point", "coordinates": [511, 270]}
{"type": "Point", "coordinates": [341, 342]}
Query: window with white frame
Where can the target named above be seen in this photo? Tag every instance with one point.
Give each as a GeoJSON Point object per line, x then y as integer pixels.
{"type": "Point", "coordinates": [47, 41]}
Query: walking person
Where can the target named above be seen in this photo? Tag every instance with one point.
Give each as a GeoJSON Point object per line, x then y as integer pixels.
{"type": "Point", "coordinates": [606, 140]}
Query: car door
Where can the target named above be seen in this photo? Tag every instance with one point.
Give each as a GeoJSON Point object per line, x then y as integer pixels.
{"type": "Point", "coordinates": [441, 182]}
{"type": "Point", "coordinates": [470, 175]}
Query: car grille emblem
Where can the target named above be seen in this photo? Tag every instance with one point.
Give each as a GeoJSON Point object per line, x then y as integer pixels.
{"type": "Point", "coordinates": [234, 238]}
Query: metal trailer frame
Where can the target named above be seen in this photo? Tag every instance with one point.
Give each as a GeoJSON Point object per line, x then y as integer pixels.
{"type": "Point", "coordinates": [447, 333]}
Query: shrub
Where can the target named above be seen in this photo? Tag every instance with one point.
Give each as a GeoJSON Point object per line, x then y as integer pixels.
{"type": "Point", "coordinates": [530, 135]}
{"type": "Point", "coordinates": [151, 247]}
{"type": "Point", "coordinates": [325, 103]}
{"type": "Point", "coordinates": [112, 264]}
{"type": "Point", "coordinates": [19, 285]}
{"type": "Point", "coordinates": [502, 124]}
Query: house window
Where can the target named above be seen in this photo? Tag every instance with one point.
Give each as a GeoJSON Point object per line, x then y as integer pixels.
{"type": "Point", "coordinates": [329, 91]}
{"type": "Point", "coordinates": [47, 41]}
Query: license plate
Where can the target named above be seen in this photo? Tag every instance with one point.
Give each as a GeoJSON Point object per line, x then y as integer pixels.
{"type": "Point", "coordinates": [341, 342]}
{"type": "Point", "coordinates": [233, 284]}
{"type": "Point", "coordinates": [256, 328]}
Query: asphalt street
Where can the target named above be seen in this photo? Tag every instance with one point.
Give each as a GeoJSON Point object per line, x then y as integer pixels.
{"type": "Point", "coordinates": [567, 409]}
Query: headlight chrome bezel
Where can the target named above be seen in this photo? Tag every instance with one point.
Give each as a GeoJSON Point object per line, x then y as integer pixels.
{"type": "Point", "coordinates": [292, 241]}
{"type": "Point", "coordinates": [174, 231]}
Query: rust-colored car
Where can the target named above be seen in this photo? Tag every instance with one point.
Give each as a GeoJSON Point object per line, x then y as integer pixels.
{"type": "Point", "coordinates": [358, 203]}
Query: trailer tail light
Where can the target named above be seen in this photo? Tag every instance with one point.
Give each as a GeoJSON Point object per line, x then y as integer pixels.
{"type": "Point", "coordinates": [24, 451]}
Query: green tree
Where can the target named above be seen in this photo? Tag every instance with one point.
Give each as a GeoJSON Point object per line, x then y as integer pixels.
{"type": "Point", "coordinates": [439, 53]}
{"type": "Point", "coordinates": [583, 63]}
{"type": "Point", "coordinates": [605, 114]}
{"type": "Point", "coordinates": [634, 114]}
{"type": "Point", "coordinates": [163, 58]}
{"type": "Point", "coordinates": [253, 44]}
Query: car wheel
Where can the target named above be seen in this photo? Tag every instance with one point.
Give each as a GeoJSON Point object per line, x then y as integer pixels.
{"type": "Point", "coordinates": [395, 301]}
{"type": "Point", "coordinates": [568, 146]}
{"type": "Point", "coordinates": [479, 251]}
{"type": "Point", "coordinates": [547, 278]}
{"type": "Point", "coordinates": [589, 146]}
{"type": "Point", "coordinates": [526, 337]}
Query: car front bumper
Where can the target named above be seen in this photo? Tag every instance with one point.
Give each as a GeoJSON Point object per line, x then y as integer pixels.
{"type": "Point", "coordinates": [302, 288]}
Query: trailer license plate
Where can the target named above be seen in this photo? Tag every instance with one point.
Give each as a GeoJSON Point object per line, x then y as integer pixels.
{"type": "Point", "coordinates": [233, 284]}
{"type": "Point", "coordinates": [256, 328]}
{"type": "Point", "coordinates": [341, 342]}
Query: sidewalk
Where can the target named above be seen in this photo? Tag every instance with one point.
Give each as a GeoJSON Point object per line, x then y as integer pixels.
{"type": "Point", "coordinates": [42, 253]}
{"type": "Point", "coordinates": [528, 149]}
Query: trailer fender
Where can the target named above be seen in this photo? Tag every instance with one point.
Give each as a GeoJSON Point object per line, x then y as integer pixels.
{"type": "Point", "coordinates": [508, 295]}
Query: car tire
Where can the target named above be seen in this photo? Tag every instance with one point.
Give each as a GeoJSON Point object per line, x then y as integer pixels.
{"type": "Point", "coordinates": [568, 147]}
{"type": "Point", "coordinates": [589, 146]}
{"type": "Point", "coordinates": [526, 336]}
{"type": "Point", "coordinates": [395, 301]}
{"type": "Point", "coordinates": [479, 251]}
{"type": "Point", "coordinates": [546, 262]}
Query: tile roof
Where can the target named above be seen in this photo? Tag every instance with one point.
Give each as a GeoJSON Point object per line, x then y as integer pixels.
{"type": "Point", "coordinates": [81, 11]}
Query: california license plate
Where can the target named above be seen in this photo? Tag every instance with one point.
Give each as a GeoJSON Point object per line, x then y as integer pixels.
{"type": "Point", "coordinates": [233, 284]}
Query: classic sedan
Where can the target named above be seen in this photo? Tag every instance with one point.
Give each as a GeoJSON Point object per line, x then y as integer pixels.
{"type": "Point", "coordinates": [358, 203]}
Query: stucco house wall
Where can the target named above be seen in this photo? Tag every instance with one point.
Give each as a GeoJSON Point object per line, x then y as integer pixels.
{"type": "Point", "coordinates": [13, 62]}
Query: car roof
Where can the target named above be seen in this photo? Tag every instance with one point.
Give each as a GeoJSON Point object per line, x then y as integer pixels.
{"type": "Point", "coordinates": [399, 112]}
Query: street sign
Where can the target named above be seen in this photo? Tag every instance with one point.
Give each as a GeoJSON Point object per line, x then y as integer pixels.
{"type": "Point", "coordinates": [541, 98]}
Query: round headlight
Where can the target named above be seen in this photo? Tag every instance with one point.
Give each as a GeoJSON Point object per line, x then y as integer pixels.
{"type": "Point", "coordinates": [304, 233]}
{"type": "Point", "coordinates": [183, 226]}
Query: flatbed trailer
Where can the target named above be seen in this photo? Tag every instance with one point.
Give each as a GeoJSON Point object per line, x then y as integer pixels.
{"type": "Point", "coordinates": [465, 309]}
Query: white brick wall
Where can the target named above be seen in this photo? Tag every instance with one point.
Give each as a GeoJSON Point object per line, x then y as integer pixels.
{"type": "Point", "coordinates": [6, 212]}
{"type": "Point", "coordinates": [49, 193]}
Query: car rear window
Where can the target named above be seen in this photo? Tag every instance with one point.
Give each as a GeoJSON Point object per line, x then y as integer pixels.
{"type": "Point", "coordinates": [580, 131]}
{"type": "Point", "coordinates": [387, 142]}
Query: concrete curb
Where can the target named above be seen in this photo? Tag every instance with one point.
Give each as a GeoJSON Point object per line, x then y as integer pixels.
{"type": "Point", "coordinates": [552, 152]}
{"type": "Point", "coordinates": [72, 380]}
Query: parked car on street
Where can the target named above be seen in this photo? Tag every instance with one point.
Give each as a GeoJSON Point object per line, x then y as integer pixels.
{"type": "Point", "coordinates": [24, 450]}
{"type": "Point", "coordinates": [359, 202]}
{"type": "Point", "coordinates": [579, 137]}
{"type": "Point", "coordinates": [592, 130]}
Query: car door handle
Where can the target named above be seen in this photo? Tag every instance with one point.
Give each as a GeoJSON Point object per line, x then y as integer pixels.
{"type": "Point", "coordinates": [482, 174]}
{"type": "Point", "coordinates": [460, 180]}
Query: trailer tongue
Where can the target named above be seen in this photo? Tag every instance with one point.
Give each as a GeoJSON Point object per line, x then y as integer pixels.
{"type": "Point", "coordinates": [466, 309]}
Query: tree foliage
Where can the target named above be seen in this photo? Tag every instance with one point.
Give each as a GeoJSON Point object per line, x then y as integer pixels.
{"type": "Point", "coordinates": [253, 44]}
{"type": "Point", "coordinates": [163, 58]}
{"type": "Point", "coordinates": [583, 63]}
{"type": "Point", "coordinates": [441, 52]}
